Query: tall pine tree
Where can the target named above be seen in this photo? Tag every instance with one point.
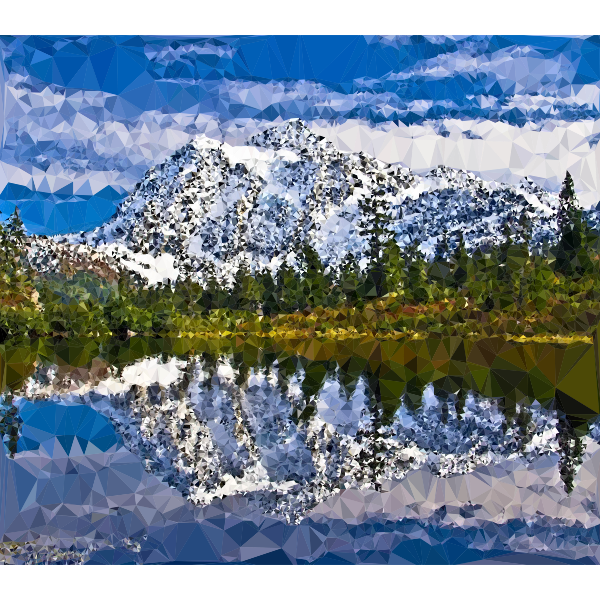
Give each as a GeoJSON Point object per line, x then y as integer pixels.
{"type": "Point", "coordinates": [567, 203]}
{"type": "Point", "coordinates": [316, 285]}
{"type": "Point", "coordinates": [440, 270]}
{"type": "Point", "coordinates": [18, 297]}
{"type": "Point", "coordinates": [571, 231]}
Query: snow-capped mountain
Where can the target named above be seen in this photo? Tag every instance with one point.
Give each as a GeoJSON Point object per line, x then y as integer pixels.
{"type": "Point", "coordinates": [212, 207]}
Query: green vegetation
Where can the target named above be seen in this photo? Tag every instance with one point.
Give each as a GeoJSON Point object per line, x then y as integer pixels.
{"type": "Point", "coordinates": [19, 313]}
{"type": "Point", "coordinates": [497, 290]}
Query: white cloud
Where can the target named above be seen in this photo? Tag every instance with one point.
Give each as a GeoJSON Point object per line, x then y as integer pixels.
{"type": "Point", "coordinates": [505, 153]}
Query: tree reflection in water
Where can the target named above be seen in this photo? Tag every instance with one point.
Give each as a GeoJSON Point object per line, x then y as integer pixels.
{"type": "Point", "coordinates": [287, 432]}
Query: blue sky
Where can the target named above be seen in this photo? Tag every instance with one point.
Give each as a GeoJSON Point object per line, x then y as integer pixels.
{"type": "Point", "coordinates": [85, 117]}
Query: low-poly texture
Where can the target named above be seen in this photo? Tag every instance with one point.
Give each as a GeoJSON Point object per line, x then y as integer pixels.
{"type": "Point", "coordinates": [299, 300]}
{"type": "Point", "coordinates": [213, 205]}
{"type": "Point", "coordinates": [191, 461]}
{"type": "Point", "coordinates": [85, 117]}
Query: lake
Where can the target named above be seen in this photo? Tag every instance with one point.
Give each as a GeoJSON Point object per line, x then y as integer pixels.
{"type": "Point", "coordinates": [275, 432]}
{"type": "Point", "coordinates": [563, 376]}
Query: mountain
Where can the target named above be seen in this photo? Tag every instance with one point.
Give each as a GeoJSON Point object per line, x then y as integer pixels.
{"type": "Point", "coordinates": [211, 208]}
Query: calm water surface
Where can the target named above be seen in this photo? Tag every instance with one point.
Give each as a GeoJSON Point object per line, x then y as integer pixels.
{"type": "Point", "coordinates": [273, 435]}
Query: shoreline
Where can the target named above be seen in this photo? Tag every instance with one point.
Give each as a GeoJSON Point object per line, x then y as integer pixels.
{"type": "Point", "coordinates": [303, 335]}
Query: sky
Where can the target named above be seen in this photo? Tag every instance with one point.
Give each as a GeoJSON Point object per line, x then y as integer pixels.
{"type": "Point", "coordinates": [83, 118]}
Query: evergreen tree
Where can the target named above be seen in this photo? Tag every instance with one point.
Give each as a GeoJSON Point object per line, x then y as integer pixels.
{"type": "Point", "coordinates": [459, 263]}
{"type": "Point", "coordinates": [519, 260]}
{"type": "Point", "coordinates": [504, 293]}
{"type": "Point", "coordinates": [440, 270]}
{"type": "Point", "coordinates": [12, 241]}
{"type": "Point", "coordinates": [237, 299]}
{"type": "Point", "coordinates": [16, 228]}
{"type": "Point", "coordinates": [214, 295]}
{"type": "Point", "coordinates": [350, 280]}
{"type": "Point", "coordinates": [117, 311]}
{"type": "Point", "coordinates": [394, 266]}
{"type": "Point", "coordinates": [483, 283]}
{"type": "Point", "coordinates": [567, 203]}
{"type": "Point", "coordinates": [418, 289]}
{"type": "Point", "coordinates": [571, 451]}
{"type": "Point", "coordinates": [18, 308]}
{"type": "Point", "coordinates": [269, 301]}
{"type": "Point", "coordinates": [571, 231]}
{"type": "Point", "coordinates": [525, 227]}
{"type": "Point", "coordinates": [289, 289]}
{"type": "Point", "coordinates": [442, 248]}
{"type": "Point", "coordinates": [316, 285]}
{"type": "Point", "coordinates": [373, 281]}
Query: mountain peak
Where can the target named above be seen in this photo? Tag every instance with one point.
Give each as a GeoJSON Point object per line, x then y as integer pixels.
{"type": "Point", "coordinates": [212, 208]}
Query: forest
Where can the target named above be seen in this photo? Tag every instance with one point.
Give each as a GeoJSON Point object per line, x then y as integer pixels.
{"type": "Point", "coordinates": [505, 289]}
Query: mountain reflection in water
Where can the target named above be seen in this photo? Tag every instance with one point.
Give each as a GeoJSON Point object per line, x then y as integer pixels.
{"type": "Point", "coordinates": [288, 425]}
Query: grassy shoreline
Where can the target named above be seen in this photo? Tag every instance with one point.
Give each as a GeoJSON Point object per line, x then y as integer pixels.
{"type": "Point", "coordinates": [304, 334]}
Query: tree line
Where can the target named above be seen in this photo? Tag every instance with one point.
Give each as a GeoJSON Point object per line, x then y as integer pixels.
{"type": "Point", "coordinates": [505, 277]}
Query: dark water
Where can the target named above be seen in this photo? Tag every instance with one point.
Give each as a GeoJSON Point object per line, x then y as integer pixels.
{"type": "Point", "coordinates": [558, 376]}
{"type": "Point", "coordinates": [241, 447]}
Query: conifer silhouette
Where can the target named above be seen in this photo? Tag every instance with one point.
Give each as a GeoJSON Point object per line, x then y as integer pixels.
{"type": "Point", "coordinates": [568, 202]}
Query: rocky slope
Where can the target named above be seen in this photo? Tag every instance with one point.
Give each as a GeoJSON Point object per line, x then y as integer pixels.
{"type": "Point", "coordinates": [212, 207]}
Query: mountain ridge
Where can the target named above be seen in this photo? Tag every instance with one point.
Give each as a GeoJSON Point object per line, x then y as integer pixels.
{"type": "Point", "coordinates": [212, 208]}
